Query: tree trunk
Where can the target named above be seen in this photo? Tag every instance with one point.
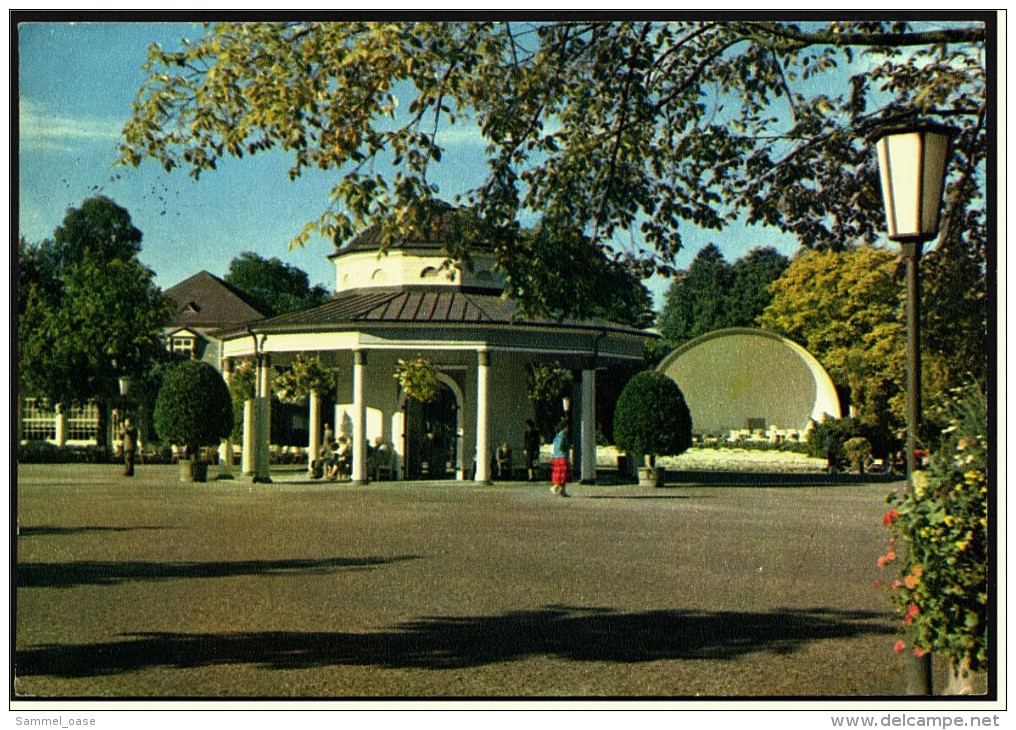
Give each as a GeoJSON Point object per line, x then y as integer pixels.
{"type": "Point", "coordinates": [961, 681]}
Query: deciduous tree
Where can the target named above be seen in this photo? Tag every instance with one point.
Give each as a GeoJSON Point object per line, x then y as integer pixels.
{"type": "Point", "coordinates": [627, 131]}
{"type": "Point", "coordinates": [90, 312]}
{"type": "Point", "coordinates": [845, 307]}
{"type": "Point", "coordinates": [272, 286]}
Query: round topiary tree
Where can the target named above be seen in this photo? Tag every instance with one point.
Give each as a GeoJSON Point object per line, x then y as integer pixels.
{"type": "Point", "coordinates": [193, 408]}
{"type": "Point", "coordinates": [651, 418]}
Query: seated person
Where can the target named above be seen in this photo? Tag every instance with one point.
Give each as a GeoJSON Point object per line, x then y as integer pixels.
{"type": "Point", "coordinates": [504, 461]}
{"type": "Point", "coordinates": [343, 458]}
{"type": "Point", "coordinates": [321, 465]}
{"type": "Point", "coordinates": [381, 459]}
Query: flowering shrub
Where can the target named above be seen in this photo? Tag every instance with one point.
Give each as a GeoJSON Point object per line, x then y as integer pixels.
{"type": "Point", "coordinates": [241, 388]}
{"type": "Point", "coordinates": [418, 379]}
{"type": "Point", "coordinates": [939, 545]}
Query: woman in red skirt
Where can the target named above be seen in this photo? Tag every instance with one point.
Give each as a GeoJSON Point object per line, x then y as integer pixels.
{"type": "Point", "coordinates": [560, 469]}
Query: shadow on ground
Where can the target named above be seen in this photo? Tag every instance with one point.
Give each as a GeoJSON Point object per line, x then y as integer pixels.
{"type": "Point", "coordinates": [52, 530]}
{"type": "Point", "coordinates": [105, 572]}
{"type": "Point", "coordinates": [571, 633]}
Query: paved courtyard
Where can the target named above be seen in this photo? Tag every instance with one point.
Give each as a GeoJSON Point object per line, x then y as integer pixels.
{"type": "Point", "coordinates": [152, 588]}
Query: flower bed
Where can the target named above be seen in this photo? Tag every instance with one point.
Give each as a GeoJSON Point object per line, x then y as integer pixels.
{"type": "Point", "coordinates": [728, 459]}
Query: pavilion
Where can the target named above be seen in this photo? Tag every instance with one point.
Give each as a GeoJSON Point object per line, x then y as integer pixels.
{"type": "Point", "coordinates": [403, 303]}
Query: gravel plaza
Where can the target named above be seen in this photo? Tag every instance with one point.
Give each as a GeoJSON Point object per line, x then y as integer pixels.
{"type": "Point", "coordinates": [154, 588]}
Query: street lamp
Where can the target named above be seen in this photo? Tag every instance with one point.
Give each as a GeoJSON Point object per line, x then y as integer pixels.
{"type": "Point", "coordinates": [912, 162]}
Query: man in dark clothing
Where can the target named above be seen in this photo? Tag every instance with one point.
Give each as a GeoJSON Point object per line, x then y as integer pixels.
{"type": "Point", "coordinates": [531, 441]}
{"type": "Point", "coordinates": [129, 434]}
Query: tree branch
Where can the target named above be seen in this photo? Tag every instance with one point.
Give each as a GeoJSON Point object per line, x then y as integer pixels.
{"type": "Point", "coordinates": [803, 39]}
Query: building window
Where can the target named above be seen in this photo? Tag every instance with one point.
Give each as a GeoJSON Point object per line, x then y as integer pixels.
{"type": "Point", "coordinates": [182, 345]}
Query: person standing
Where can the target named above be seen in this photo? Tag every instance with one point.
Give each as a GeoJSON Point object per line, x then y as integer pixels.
{"type": "Point", "coordinates": [531, 447]}
{"type": "Point", "coordinates": [560, 467]}
{"type": "Point", "coordinates": [129, 435]}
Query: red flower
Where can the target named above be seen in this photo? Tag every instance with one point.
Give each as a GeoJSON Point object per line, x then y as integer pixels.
{"type": "Point", "coordinates": [912, 610]}
{"type": "Point", "coordinates": [918, 651]}
{"type": "Point", "coordinates": [889, 517]}
{"type": "Point", "coordinates": [900, 646]}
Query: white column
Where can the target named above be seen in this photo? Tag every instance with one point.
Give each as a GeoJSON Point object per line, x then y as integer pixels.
{"type": "Point", "coordinates": [262, 421]}
{"type": "Point", "coordinates": [359, 418]}
{"type": "Point", "coordinates": [588, 427]}
{"type": "Point", "coordinates": [61, 425]}
{"type": "Point", "coordinates": [247, 454]}
{"type": "Point", "coordinates": [482, 421]}
{"type": "Point", "coordinates": [314, 419]}
{"type": "Point", "coordinates": [226, 447]}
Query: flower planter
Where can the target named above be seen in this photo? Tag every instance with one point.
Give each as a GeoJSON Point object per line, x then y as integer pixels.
{"type": "Point", "coordinates": [651, 476]}
{"type": "Point", "coordinates": [193, 471]}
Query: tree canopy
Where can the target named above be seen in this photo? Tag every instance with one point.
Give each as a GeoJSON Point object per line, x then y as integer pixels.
{"type": "Point", "coordinates": [713, 294]}
{"type": "Point", "coordinates": [846, 308]}
{"type": "Point", "coordinates": [627, 131]}
{"type": "Point", "coordinates": [652, 418]}
{"type": "Point", "coordinates": [272, 286]}
{"type": "Point", "coordinates": [89, 311]}
{"type": "Point", "coordinates": [194, 407]}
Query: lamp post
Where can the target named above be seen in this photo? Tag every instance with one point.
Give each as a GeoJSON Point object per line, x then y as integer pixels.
{"type": "Point", "coordinates": [912, 162]}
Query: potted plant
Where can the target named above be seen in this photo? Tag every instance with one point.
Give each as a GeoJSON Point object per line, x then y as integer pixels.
{"type": "Point", "coordinates": [193, 409]}
{"type": "Point", "coordinates": [651, 418]}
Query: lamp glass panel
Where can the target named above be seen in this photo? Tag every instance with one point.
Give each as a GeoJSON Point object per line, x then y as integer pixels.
{"type": "Point", "coordinates": [887, 189]}
{"type": "Point", "coordinates": [902, 153]}
{"type": "Point", "coordinates": [936, 147]}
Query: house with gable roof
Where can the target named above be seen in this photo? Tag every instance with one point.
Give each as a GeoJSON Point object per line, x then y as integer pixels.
{"type": "Point", "coordinates": [205, 303]}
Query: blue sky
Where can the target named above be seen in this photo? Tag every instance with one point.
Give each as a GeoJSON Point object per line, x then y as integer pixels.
{"type": "Point", "coordinates": [76, 85]}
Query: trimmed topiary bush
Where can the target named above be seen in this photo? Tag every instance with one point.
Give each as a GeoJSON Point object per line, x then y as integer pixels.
{"type": "Point", "coordinates": [858, 450]}
{"type": "Point", "coordinates": [826, 439]}
{"type": "Point", "coordinates": [193, 408]}
{"type": "Point", "coordinates": [651, 417]}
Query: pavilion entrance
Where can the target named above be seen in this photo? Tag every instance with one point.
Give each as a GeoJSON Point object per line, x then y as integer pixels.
{"type": "Point", "coordinates": [432, 436]}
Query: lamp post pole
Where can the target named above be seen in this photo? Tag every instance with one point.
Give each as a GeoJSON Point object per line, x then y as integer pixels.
{"type": "Point", "coordinates": [917, 669]}
{"type": "Point", "coordinates": [912, 162]}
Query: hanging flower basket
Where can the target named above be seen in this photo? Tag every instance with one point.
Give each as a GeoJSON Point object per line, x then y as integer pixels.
{"type": "Point", "coordinates": [418, 379]}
